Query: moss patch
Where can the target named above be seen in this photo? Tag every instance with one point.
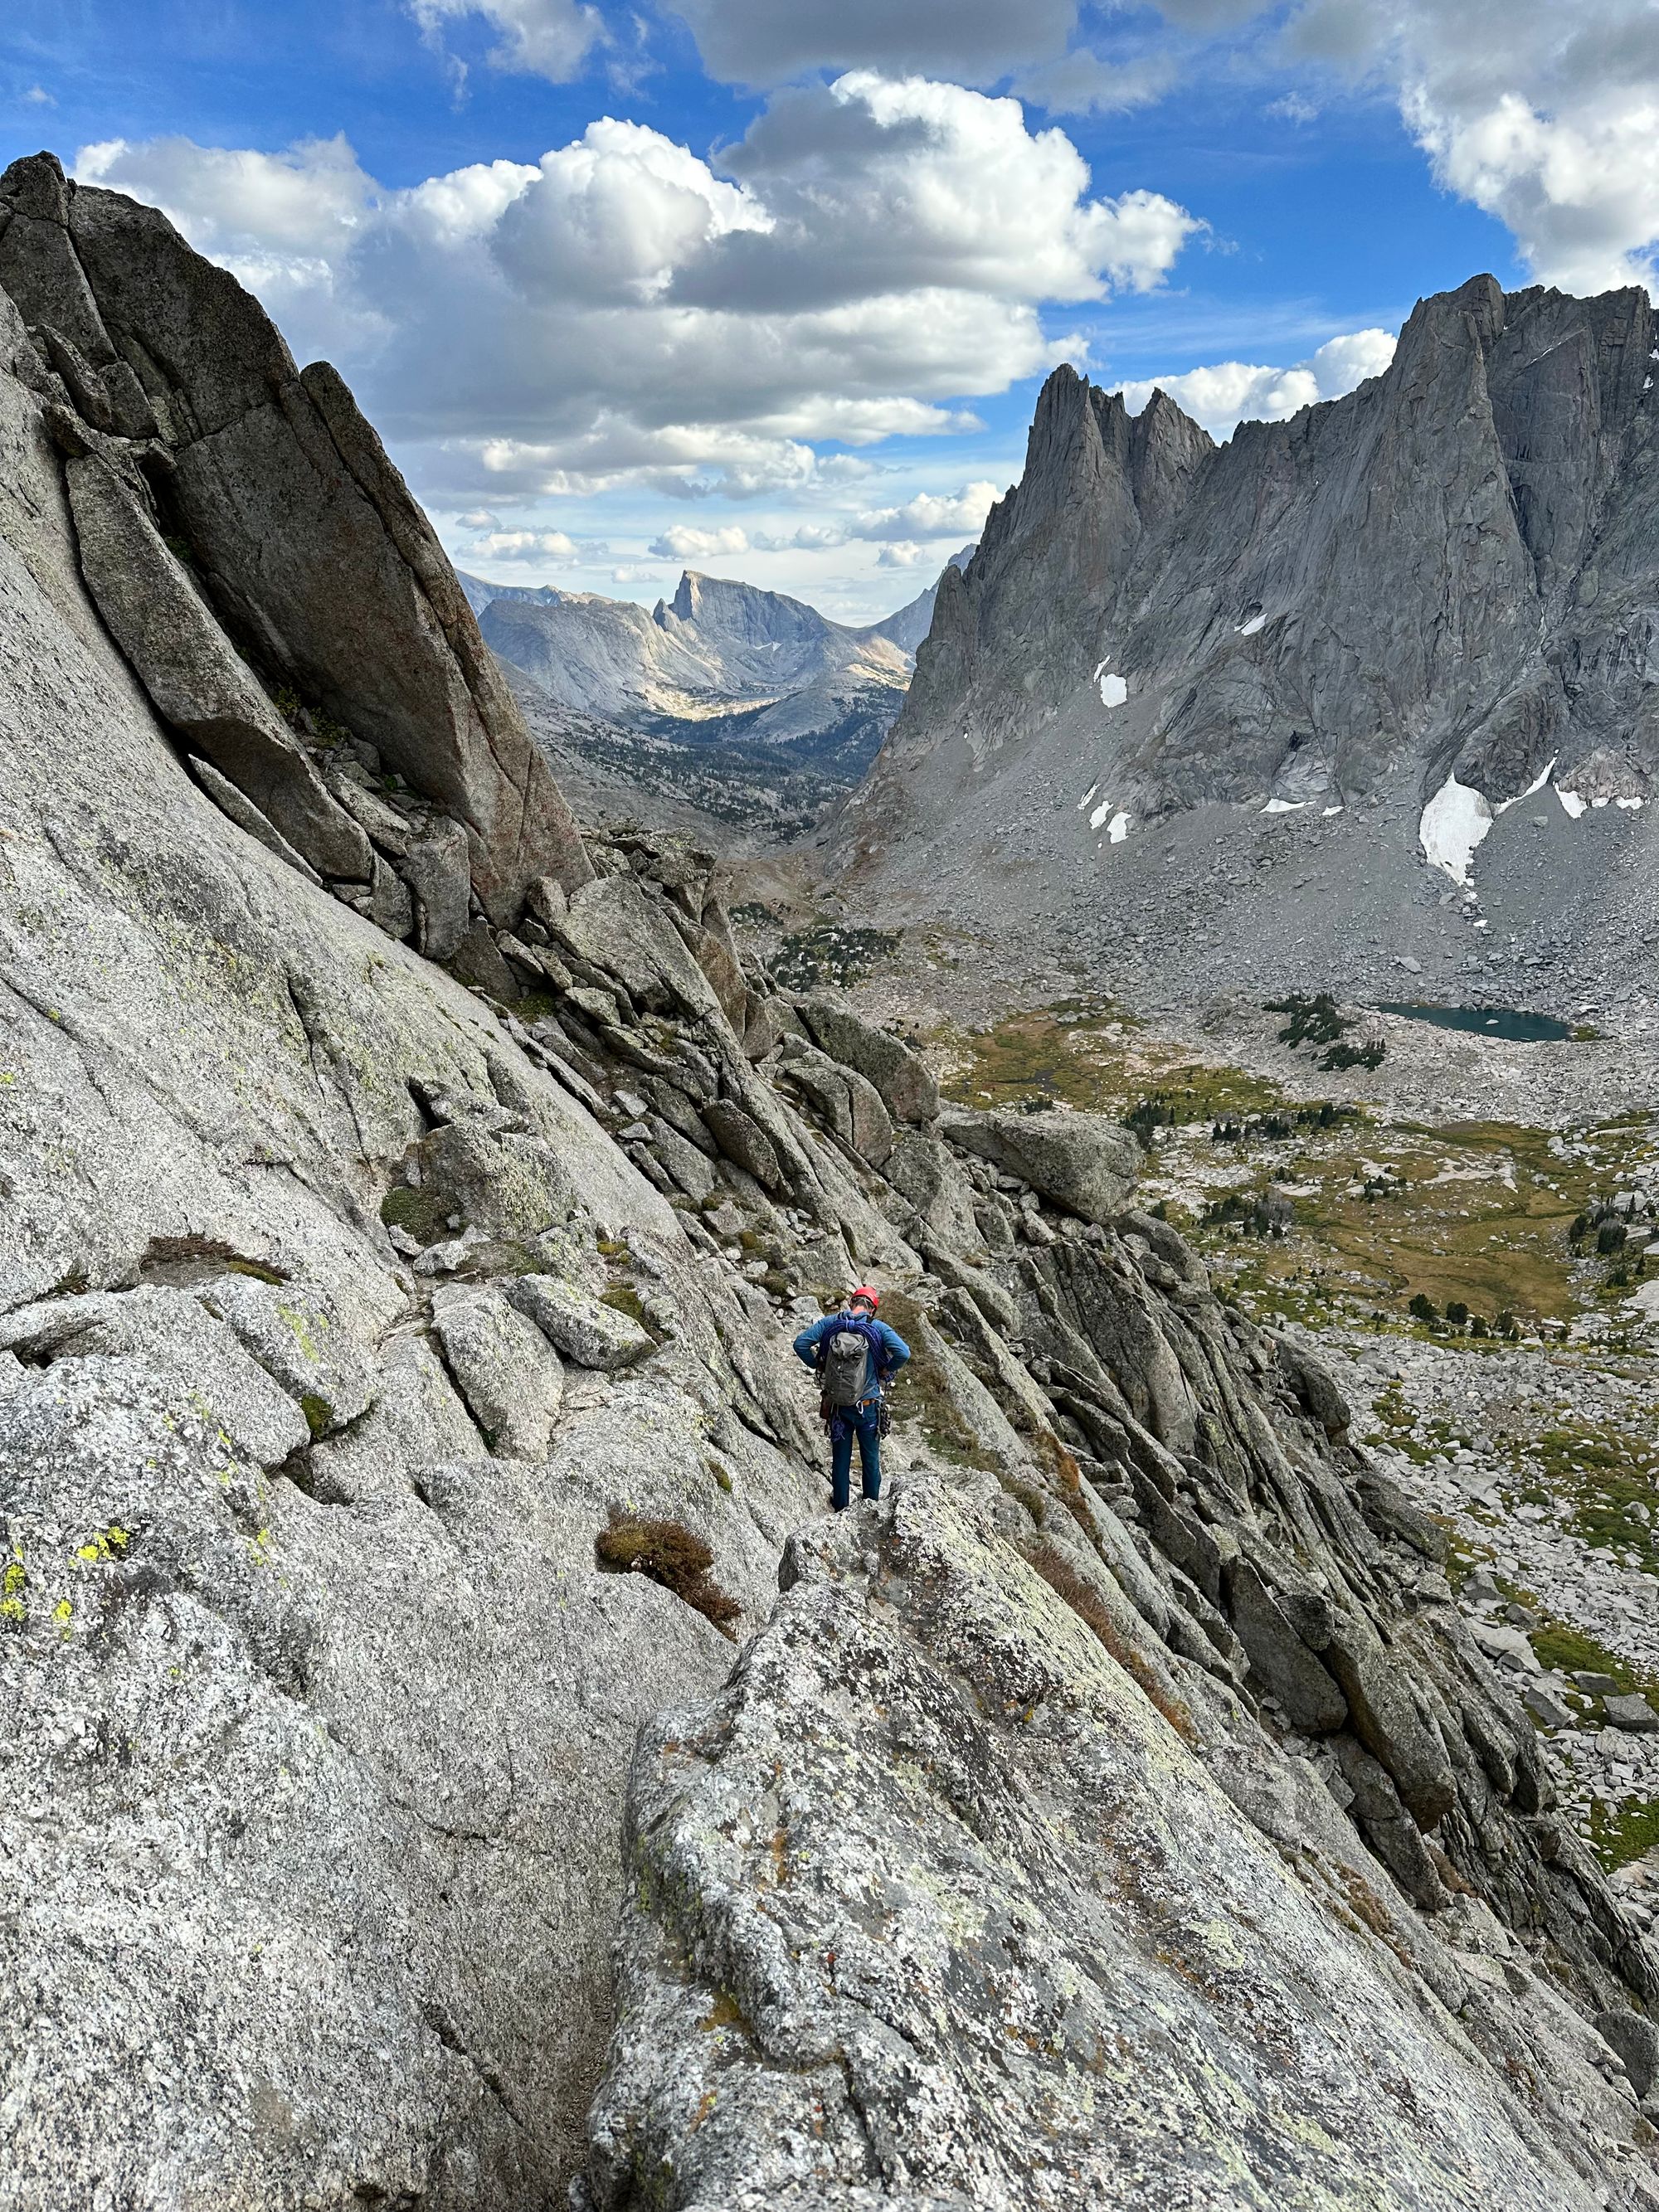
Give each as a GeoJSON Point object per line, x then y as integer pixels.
{"type": "Point", "coordinates": [320, 1414]}
{"type": "Point", "coordinates": [423, 1215]}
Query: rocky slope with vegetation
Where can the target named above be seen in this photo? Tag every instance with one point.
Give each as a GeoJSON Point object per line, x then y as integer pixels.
{"type": "Point", "coordinates": [415, 1571]}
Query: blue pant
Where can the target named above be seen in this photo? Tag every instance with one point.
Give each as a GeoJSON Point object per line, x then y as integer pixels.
{"type": "Point", "coordinates": [864, 1422]}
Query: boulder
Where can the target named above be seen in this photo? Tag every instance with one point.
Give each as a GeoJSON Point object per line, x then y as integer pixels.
{"type": "Point", "coordinates": [478, 962]}
{"type": "Point", "coordinates": [195, 681]}
{"type": "Point", "coordinates": [770, 1020]}
{"type": "Point", "coordinates": [743, 1141]}
{"type": "Point", "coordinates": [1635, 2039]}
{"type": "Point", "coordinates": [1313, 1382]}
{"type": "Point", "coordinates": [239, 808]}
{"type": "Point", "coordinates": [1086, 1163]}
{"type": "Point", "coordinates": [926, 1173]}
{"type": "Point", "coordinates": [504, 1366]}
{"type": "Point", "coordinates": [690, 1166]}
{"type": "Point", "coordinates": [902, 1076]}
{"type": "Point", "coordinates": [1632, 1712]}
{"type": "Point", "coordinates": [1388, 1723]}
{"type": "Point", "coordinates": [580, 1325]}
{"type": "Point", "coordinates": [614, 924]}
{"type": "Point", "coordinates": [430, 854]}
{"type": "Point", "coordinates": [1389, 1828]}
{"type": "Point", "coordinates": [843, 1100]}
{"type": "Point", "coordinates": [194, 1349]}
{"type": "Point", "coordinates": [1280, 1662]}
{"type": "Point", "coordinates": [294, 1330]}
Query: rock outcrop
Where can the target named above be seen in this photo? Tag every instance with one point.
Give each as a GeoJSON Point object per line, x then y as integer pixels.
{"type": "Point", "coordinates": [934, 1905]}
{"type": "Point", "coordinates": [305, 553]}
{"type": "Point", "coordinates": [397, 1416]}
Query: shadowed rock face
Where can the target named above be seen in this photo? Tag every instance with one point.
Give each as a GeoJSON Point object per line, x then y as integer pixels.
{"type": "Point", "coordinates": [306, 544]}
{"type": "Point", "coordinates": [1452, 568]}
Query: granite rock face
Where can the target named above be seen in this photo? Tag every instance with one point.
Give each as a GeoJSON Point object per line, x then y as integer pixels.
{"type": "Point", "coordinates": [1451, 572]}
{"type": "Point", "coordinates": [301, 536]}
{"type": "Point", "coordinates": [933, 1905]}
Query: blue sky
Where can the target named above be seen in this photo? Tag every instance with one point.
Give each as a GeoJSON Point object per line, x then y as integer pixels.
{"type": "Point", "coordinates": [767, 287]}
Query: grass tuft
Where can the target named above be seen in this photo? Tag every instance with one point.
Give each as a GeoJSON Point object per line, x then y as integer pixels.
{"type": "Point", "coordinates": [673, 1558]}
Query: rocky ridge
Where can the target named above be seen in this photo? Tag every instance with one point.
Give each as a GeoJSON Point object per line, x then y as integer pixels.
{"type": "Point", "coordinates": [365, 1291]}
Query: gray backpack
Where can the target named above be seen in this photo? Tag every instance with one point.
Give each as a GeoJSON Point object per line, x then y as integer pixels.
{"type": "Point", "coordinates": [844, 1362]}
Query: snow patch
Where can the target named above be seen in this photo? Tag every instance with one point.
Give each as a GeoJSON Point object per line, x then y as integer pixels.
{"type": "Point", "coordinates": [1119, 828]}
{"type": "Point", "coordinates": [1100, 813]}
{"type": "Point", "coordinates": [1283, 805]}
{"type": "Point", "coordinates": [1630, 803]}
{"type": "Point", "coordinates": [1327, 812]}
{"type": "Point", "coordinates": [1087, 796]}
{"type": "Point", "coordinates": [1250, 627]}
{"type": "Point", "coordinates": [1453, 822]}
{"type": "Point", "coordinates": [1113, 689]}
{"type": "Point", "coordinates": [1571, 804]}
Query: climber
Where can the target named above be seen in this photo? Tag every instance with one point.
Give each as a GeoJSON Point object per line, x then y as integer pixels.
{"type": "Point", "coordinates": [854, 1354]}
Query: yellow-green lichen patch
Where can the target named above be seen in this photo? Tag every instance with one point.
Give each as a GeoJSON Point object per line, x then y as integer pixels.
{"type": "Point", "coordinates": [303, 1327]}
{"type": "Point", "coordinates": [14, 1581]}
{"type": "Point", "coordinates": [108, 1544]}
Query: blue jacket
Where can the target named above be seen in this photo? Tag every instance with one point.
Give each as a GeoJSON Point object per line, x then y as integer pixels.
{"type": "Point", "coordinates": [895, 1350]}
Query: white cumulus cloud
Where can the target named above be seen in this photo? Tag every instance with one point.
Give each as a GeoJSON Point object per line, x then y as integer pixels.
{"type": "Point", "coordinates": [532, 545]}
{"type": "Point", "coordinates": [903, 555]}
{"type": "Point", "coordinates": [1544, 114]}
{"type": "Point", "coordinates": [1228, 393]}
{"type": "Point", "coordinates": [955, 515]}
{"type": "Point", "coordinates": [872, 253]}
{"type": "Point", "coordinates": [544, 38]}
{"type": "Point", "coordinates": [684, 543]}
{"type": "Point", "coordinates": [806, 537]}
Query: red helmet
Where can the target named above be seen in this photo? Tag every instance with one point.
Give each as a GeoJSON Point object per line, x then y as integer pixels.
{"type": "Point", "coordinates": [864, 1291]}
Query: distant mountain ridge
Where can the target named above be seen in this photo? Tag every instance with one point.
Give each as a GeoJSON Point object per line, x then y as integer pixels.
{"type": "Point", "coordinates": [784, 695]}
